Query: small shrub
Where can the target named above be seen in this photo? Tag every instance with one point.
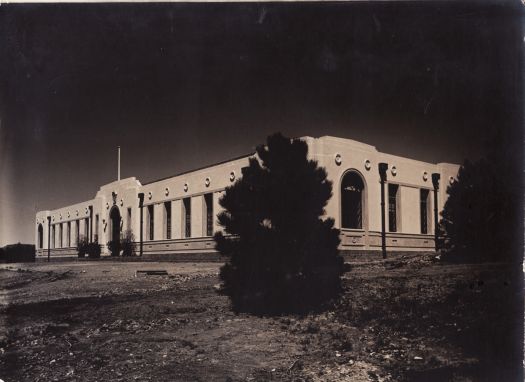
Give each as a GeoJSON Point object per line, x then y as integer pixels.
{"type": "Point", "coordinates": [127, 244]}
{"type": "Point", "coordinates": [114, 247]}
{"type": "Point", "coordinates": [82, 246]}
{"type": "Point", "coordinates": [93, 250]}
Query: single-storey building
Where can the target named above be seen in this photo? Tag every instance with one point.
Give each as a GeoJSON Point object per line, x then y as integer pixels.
{"type": "Point", "coordinates": [177, 215]}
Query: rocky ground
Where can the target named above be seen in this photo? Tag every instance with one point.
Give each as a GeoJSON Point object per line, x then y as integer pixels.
{"type": "Point", "coordinates": [409, 319]}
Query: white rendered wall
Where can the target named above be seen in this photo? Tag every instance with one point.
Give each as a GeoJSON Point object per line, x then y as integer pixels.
{"type": "Point", "coordinates": [214, 179]}
{"type": "Point", "coordinates": [197, 207]}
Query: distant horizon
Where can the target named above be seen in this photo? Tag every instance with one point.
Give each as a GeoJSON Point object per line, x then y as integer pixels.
{"type": "Point", "coordinates": [432, 81]}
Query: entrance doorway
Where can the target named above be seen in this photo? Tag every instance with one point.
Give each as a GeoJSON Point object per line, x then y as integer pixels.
{"type": "Point", "coordinates": [114, 218]}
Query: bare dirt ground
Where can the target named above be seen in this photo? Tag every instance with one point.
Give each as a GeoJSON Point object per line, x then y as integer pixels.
{"type": "Point", "coordinates": [408, 319]}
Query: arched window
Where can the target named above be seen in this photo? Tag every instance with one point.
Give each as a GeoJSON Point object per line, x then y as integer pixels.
{"type": "Point", "coordinates": [352, 197]}
{"type": "Point", "coordinates": [40, 236]}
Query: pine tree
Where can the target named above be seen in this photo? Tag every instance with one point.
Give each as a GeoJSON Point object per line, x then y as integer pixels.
{"type": "Point", "coordinates": [281, 255]}
{"type": "Point", "coordinates": [482, 219]}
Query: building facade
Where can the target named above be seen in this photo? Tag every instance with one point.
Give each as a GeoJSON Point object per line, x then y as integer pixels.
{"type": "Point", "coordinates": [177, 215]}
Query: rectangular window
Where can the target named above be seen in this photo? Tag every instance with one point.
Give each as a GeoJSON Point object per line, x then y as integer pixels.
{"type": "Point", "coordinates": [167, 220]}
{"type": "Point", "coordinates": [423, 207]}
{"type": "Point", "coordinates": [96, 227]}
{"type": "Point", "coordinates": [69, 234]}
{"type": "Point", "coordinates": [86, 228]}
{"type": "Point", "coordinates": [208, 201]}
{"type": "Point", "coordinates": [392, 207]}
{"type": "Point", "coordinates": [187, 217]}
{"type": "Point", "coordinates": [151, 219]}
{"type": "Point", "coordinates": [129, 219]}
{"type": "Point", "coordinates": [61, 235]}
{"type": "Point", "coordinates": [77, 227]}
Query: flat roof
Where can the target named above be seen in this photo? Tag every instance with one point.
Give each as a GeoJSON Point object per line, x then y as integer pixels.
{"type": "Point", "coordinates": [198, 169]}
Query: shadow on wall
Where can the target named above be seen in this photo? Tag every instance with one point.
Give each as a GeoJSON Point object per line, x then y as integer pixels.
{"type": "Point", "coordinates": [17, 253]}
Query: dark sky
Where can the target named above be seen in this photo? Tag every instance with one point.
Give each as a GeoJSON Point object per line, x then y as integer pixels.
{"type": "Point", "coordinates": [179, 86]}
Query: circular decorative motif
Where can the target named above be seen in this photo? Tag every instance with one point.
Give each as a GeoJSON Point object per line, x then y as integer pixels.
{"type": "Point", "coordinates": [425, 176]}
{"type": "Point", "coordinates": [394, 170]}
{"type": "Point", "coordinates": [121, 202]}
{"type": "Point", "coordinates": [167, 191]}
{"type": "Point", "coordinates": [451, 180]}
{"type": "Point", "coordinates": [107, 206]}
{"type": "Point", "coordinates": [87, 210]}
{"type": "Point", "coordinates": [338, 159]}
{"type": "Point", "coordinates": [60, 216]}
{"type": "Point", "coordinates": [368, 165]}
{"type": "Point", "coordinates": [76, 212]}
{"type": "Point", "coordinates": [68, 214]}
{"type": "Point", "coordinates": [150, 195]}
{"type": "Point", "coordinates": [186, 187]}
{"type": "Point", "coordinates": [53, 218]}
{"type": "Point", "coordinates": [207, 182]}
{"type": "Point", "coordinates": [232, 176]}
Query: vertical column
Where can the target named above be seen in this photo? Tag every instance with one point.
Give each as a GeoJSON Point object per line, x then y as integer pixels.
{"type": "Point", "coordinates": [158, 221]}
{"type": "Point", "coordinates": [197, 206]}
{"type": "Point", "coordinates": [141, 222]}
{"type": "Point", "coordinates": [80, 222]}
{"type": "Point", "coordinates": [435, 183]}
{"type": "Point", "coordinates": [49, 238]}
{"type": "Point", "coordinates": [90, 223]}
{"type": "Point", "coordinates": [383, 167]}
{"type": "Point", "coordinates": [73, 233]}
{"type": "Point", "coordinates": [177, 220]}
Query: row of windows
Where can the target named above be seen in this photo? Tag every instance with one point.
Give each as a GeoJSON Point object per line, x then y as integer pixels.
{"type": "Point", "coordinates": [186, 219]}
{"type": "Point", "coordinates": [352, 203]}
{"type": "Point", "coordinates": [61, 243]}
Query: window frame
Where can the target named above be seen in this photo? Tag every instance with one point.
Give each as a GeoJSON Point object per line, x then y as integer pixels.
{"type": "Point", "coordinates": [393, 213]}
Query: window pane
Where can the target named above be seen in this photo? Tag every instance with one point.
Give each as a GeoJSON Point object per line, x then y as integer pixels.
{"type": "Point", "coordinates": [352, 187]}
{"type": "Point", "coordinates": [167, 212]}
{"type": "Point", "coordinates": [423, 202]}
{"type": "Point", "coordinates": [392, 207]}
{"type": "Point", "coordinates": [187, 217]}
{"type": "Point", "coordinates": [151, 221]}
{"type": "Point", "coordinates": [96, 228]}
{"type": "Point", "coordinates": [208, 199]}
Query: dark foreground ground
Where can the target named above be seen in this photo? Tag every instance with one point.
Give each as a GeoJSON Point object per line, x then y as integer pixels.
{"type": "Point", "coordinates": [402, 320]}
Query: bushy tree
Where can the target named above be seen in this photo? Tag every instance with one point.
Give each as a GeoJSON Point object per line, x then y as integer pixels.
{"type": "Point", "coordinates": [127, 243]}
{"type": "Point", "coordinates": [482, 217]}
{"type": "Point", "coordinates": [82, 246]}
{"type": "Point", "coordinates": [114, 247]}
{"type": "Point", "coordinates": [85, 247]}
{"type": "Point", "coordinates": [94, 250]}
{"type": "Point", "coordinates": [281, 255]}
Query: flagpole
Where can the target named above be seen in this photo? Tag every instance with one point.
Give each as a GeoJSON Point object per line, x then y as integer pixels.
{"type": "Point", "coordinates": [118, 163]}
